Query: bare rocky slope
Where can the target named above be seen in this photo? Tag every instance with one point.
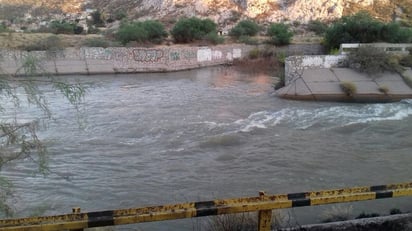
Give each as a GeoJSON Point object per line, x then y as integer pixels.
{"type": "Point", "coordinates": [226, 12]}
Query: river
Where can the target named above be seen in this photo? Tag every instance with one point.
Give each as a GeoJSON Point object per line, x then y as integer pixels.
{"type": "Point", "coordinates": [150, 139]}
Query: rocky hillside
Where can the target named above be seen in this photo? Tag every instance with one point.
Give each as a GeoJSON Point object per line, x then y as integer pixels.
{"type": "Point", "coordinates": [226, 12]}
{"type": "Point", "coordinates": [69, 6]}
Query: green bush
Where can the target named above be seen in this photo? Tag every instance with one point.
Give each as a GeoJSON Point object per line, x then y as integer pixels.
{"type": "Point", "coordinates": [61, 27]}
{"type": "Point", "coordinates": [214, 38]}
{"type": "Point", "coordinates": [147, 31]}
{"type": "Point", "coordinates": [190, 29]}
{"type": "Point", "coordinates": [254, 54]}
{"type": "Point", "coordinates": [394, 33]}
{"type": "Point", "coordinates": [97, 19]}
{"type": "Point", "coordinates": [279, 34]}
{"type": "Point", "coordinates": [373, 60]}
{"type": "Point", "coordinates": [244, 28]}
{"type": "Point", "coordinates": [362, 28]}
{"type": "Point", "coordinates": [317, 26]}
{"type": "Point", "coordinates": [3, 28]}
{"type": "Point", "coordinates": [348, 87]}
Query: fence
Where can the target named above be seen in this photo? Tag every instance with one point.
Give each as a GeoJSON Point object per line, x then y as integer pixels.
{"type": "Point", "coordinates": [264, 204]}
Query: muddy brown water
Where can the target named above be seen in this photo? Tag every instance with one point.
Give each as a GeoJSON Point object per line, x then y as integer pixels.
{"type": "Point", "coordinates": [150, 139]}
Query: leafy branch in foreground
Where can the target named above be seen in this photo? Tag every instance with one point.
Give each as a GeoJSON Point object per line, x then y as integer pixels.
{"type": "Point", "coordinates": [18, 137]}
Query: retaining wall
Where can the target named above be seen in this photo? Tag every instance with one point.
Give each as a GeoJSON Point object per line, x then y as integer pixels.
{"type": "Point", "coordinates": [295, 65]}
{"type": "Point", "coordinates": [92, 60]}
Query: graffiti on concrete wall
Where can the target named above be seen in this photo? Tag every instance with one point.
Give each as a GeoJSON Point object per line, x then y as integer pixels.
{"type": "Point", "coordinates": [183, 56]}
{"type": "Point", "coordinates": [216, 55]}
{"type": "Point", "coordinates": [174, 56]}
{"type": "Point", "coordinates": [148, 55]}
{"type": "Point", "coordinates": [97, 53]}
{"type": "Point", "coordinates": [237, 53]}
{"type": "Point", "coordinates": [204, 54]}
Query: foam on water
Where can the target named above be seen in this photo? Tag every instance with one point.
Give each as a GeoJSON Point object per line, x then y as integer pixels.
{"type": "Point", "coordinates": [324, 117]}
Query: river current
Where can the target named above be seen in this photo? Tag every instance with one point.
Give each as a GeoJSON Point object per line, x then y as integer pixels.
{"type": "Point", "coordinates": [150, 139]}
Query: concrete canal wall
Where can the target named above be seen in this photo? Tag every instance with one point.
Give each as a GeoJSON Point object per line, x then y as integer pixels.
{"type": "Point", "coordinates": [93, 60]}
{"type": "Point", "coordinates": [318, 77]}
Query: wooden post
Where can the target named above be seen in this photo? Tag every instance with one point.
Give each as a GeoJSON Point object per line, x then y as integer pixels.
{"type": "Point", "coordinates": [265, 217]}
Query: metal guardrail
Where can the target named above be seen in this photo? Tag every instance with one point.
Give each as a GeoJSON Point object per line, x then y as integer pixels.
{"type": "Point", "coordinates": [264, 204]}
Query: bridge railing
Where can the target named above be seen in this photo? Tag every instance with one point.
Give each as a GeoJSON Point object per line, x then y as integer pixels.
{"type": "Point", "coordinates": [263, 204]}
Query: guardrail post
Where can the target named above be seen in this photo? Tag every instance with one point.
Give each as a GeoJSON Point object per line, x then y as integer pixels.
{"type": "Point", "coordinates": [265, 217]}
{"type": "Point", "coordinates": [76, 210]}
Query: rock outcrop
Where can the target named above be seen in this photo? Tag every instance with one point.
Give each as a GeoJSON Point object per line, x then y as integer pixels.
{"type": "Point", "coordinates": [227, 12]}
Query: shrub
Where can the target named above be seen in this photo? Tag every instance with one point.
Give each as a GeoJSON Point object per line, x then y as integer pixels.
{"type": "Point", "coordinates": [190, 29]}
{"type": "Point", "coordinates": [140, 32]}
{"type": "Point", "coordinates": [373, 60]}
{"type": "Point", "coordinates": [61, 27]}
{"type": "Point", "coordinates": [362, 28]}
{"type": "Point", "coordinates": [155, 31]}
{"type": "Point", "coordinates": [244, 28]}
{"type": "Point", "coordinates": [78, 29]}
{"type": "Point", "coordinates": [384, 89]}
{"type": "Point", "coordinates": [348, 87]}
{"type": "Point", "coordinates": [406, 61]}
{"type": "Point", "coordinates": [93, 30]}
{"type": "Point", "coordinates": [279, 34]}
{"type": "Point", "coordinates": [214, 38]}
{"type": "Point", "coordinates": [394, 33]}
{"type": "Point", "coordinates": [317, 26]}
{"type": "Point", "coordinates": [358, 28]}
{"type": "Point", "coordinates": [131, 32]}
{"type": "Point", "coordinates": [281, 75]}
{"type": "Point", "coordinates": [281, 57]}
{"type": "Point", "coordinates": [3, 28]}
{"type": "Point", "coordinates": [254, 54]}
{"type": "Point", "coordinates": [97, 19]}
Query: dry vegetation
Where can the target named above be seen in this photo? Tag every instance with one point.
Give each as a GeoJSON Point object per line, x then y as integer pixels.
{"type": "Point", "coordinates": [16, 40]}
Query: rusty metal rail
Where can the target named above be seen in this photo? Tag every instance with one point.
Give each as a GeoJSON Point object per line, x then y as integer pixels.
{"type": "Point", "coordinates": [264, 204]}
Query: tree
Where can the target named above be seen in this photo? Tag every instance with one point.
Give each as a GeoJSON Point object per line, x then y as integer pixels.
{"type": "Point", "coordinates": [317, 26]}
{"type": "Point", "coordinates": [190, 29]}
{"type": "Point", "coordinates": [97, 19]}
{"type": "Point", "coordinates": [18, 139]}
{"type": "Point", "coordinates": [244, 28]}
{"type": "Point", "coordinates": [279, 34]}
{"type": "Point", "coordinates": [147, 31]}
{"type": "Point", "coordinates": [362, 28]}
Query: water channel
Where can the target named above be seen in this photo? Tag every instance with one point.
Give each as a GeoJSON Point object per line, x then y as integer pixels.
{"type": "Point", "coordinates": [150, 139]}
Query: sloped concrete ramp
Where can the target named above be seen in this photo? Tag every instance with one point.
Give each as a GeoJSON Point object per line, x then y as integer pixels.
{"type": "Point", "coordinates": [323, 84]}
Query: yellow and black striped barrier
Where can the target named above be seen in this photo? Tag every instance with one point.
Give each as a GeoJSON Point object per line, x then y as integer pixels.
{"type": "Point", "coordinates": [263, 203]}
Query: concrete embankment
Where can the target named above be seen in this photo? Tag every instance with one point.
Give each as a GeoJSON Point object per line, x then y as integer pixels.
{"type": "Point", "coordinates": [319, 78]}
{"type": "Point", "coordinates": [92, 60]}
